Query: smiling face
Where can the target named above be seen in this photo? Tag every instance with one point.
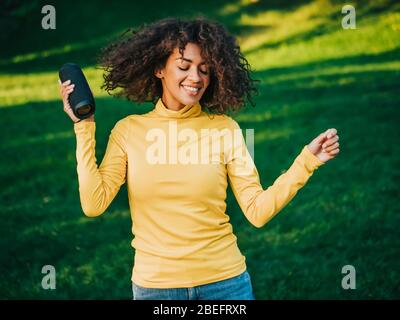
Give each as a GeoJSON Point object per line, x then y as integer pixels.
{"type": "Point", "coordinates": [184, 78]}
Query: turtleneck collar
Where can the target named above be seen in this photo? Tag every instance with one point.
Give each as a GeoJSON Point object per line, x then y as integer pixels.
{"type": "Point", "coordinates": [188, 111]}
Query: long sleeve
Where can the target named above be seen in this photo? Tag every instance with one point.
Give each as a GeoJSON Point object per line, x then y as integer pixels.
{"type": "Point", "coordinates": [259, 205]}
{"type": "Point", "coordinates": [99, 185]}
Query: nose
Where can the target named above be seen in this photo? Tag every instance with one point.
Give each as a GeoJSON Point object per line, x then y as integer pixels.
{"type": "Point", "coordinates": [194, 75]}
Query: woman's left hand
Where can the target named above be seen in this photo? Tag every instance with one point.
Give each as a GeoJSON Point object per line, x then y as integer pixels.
{"type": "Point", "coordinates": [326, 145]}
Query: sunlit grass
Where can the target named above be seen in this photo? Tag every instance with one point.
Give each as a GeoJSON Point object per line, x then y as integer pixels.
{"type": "Point", "coordinates": [336, 44]}
{"type": "Point", "coordinates": [41, 87]}
{"type": "Point", "coordinates": [235, 7]}
{"type": "Point", "coordinates": [283, 25]}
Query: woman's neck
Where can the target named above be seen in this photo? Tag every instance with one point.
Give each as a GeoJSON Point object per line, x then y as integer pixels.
{"type": "Point", "coordinates": [172, 105]}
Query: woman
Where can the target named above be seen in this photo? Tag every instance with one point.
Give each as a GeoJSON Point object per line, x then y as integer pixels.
{"type": "Point", "coordinates": [175, 164]}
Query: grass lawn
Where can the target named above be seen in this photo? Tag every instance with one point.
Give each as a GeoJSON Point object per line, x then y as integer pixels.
{"type": "Point", "coordinates": [314, 76]}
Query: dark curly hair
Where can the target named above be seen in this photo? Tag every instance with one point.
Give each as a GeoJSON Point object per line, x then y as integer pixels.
{"type": "Point", "coordinates": [130, 62]}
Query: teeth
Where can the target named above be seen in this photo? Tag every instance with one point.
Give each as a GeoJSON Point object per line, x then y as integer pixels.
{"type": "Point", "coordinates": [193, 89]}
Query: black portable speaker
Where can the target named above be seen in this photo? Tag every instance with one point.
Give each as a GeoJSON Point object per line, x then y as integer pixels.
{"type": "Point", "coordinates": [81, 99]}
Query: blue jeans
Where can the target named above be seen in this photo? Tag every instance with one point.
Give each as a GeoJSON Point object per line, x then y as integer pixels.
{"type": "Point", "coordinates": [236, 288]}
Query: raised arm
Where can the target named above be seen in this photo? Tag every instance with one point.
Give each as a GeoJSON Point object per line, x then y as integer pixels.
{"type": "Point", "coordinates": [99, 185]}
{"type": "Point", "coordinates": [259, 205]}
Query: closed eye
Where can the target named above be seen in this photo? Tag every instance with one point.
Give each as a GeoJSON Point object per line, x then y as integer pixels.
{"type": "Point", "coordinates": [186, 69]}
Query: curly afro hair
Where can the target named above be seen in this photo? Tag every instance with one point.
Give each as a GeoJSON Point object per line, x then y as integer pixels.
{"type": "Point", "coordinates": [130, 62]}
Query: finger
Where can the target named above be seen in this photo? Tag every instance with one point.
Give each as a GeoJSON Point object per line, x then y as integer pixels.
{"type": "Point", "coordinates": [332, 147]}
{"type": "Point", "coordinates": [331, 133]}
{"type": "Point", "coordinates": [68, 91]}
{"type": "Point", "coordinates": [67, 86]}
{"type": "Point", "coordinates": [66, 83]}
{"type": "Point", "coordinates": [335, 152]}
{"type": "Point", "coordinates": [65, 95]}
{"type": "Point", "coordinates": [320, 138]}
{"type": "Point", "coordinates": [330, 141]}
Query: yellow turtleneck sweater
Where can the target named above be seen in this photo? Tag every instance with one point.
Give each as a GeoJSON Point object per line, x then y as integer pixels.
{"type": "Point", "coordinates": [177, 191]}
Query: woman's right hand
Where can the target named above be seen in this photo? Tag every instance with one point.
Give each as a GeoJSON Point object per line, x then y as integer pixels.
{"type": "Point", "coordinates": [65, 90]}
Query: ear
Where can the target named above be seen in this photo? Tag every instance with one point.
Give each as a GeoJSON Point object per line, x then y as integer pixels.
{"type": "Point", "coordinates": [159, 74]}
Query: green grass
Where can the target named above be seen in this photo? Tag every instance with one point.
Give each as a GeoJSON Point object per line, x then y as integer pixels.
{"type": "Point", "coordinates": [314, 75]}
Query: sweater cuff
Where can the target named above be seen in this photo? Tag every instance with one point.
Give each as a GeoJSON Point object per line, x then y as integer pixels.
{"type": "Point", "coordinates": [311, 161]}
{"type": "Point", "coordinates": [84, 126]}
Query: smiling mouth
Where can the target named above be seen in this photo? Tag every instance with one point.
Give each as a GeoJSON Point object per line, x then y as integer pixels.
{"type": "Point", "coordinates": [191, 90]}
